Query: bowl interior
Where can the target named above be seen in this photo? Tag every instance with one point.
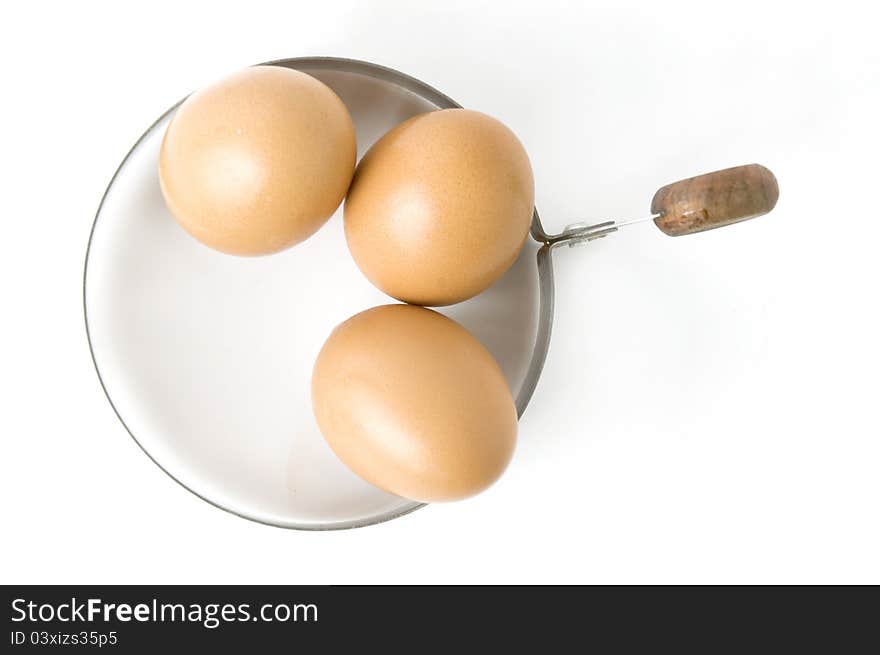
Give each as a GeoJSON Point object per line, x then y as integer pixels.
{"type": "Point", "coordinates": [207, 358]}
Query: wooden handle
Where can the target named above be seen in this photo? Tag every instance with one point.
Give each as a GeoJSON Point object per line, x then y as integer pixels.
{"type": "Point", "coordinates": [715, 199]}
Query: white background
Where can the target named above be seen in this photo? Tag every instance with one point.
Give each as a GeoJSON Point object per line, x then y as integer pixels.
{"type": "Point", "coordinates": [709, 408]}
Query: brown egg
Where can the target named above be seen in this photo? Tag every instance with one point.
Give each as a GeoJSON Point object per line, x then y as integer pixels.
{"type": "Point", "coordinates": [440, 207]}
{"type": "Point", "coordinates": [258, 161]}
{"type": "Point", "coordinates": [414, 404]}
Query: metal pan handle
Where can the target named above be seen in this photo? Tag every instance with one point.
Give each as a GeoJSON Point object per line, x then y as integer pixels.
{"type": "Point", "coordinates": [689, 206]}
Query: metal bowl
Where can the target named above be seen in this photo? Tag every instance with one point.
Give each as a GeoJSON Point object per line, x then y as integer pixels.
{"type": "Point", "coordinates": [205, 358]}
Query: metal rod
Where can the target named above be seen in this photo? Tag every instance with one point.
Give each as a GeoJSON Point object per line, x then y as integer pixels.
{"type": "Point", "coordinates": [580, 233]}
{"type": "Point", "coordinates": [636, 221]}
